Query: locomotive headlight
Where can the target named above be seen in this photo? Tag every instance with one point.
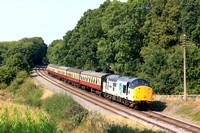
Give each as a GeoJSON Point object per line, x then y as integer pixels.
{"type": "Point", "coordinates": [144, 96]}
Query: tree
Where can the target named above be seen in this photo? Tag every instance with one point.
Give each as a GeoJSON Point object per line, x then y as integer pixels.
{"type": "Point", "coordinates": [189, 20]}
{"type": "Point", "coordinates": [165, 16]}
{"type": "Point", "coordinates": [16, 63]}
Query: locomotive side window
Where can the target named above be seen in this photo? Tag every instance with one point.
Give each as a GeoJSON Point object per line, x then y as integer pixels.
{"type": "Point", "coordinates": [114, 84]}
{"type": "Point", "coordinates": [124, 88]}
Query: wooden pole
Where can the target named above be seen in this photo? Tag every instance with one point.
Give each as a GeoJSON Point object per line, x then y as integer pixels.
{"type": "Point", "coordinates": [184, 56]}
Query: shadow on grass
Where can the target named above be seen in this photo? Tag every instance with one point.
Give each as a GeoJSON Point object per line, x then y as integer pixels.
{"type": "Point", "coordinates": [33, 76]}
{"type": "Point", "coordinates": [127, 129]}
{"type": "Point", "coordinates": [158, 106]}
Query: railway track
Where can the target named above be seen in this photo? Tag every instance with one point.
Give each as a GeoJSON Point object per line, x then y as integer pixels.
{"type": "Point", "coordinates": [163, 122]}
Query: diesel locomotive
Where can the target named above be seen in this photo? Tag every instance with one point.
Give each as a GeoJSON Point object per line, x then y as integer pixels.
{"type": "Point", "coordinates": [133, 92]}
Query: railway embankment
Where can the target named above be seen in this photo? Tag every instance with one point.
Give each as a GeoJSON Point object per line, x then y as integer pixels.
{"type": "Point", "coordinates": [188, 111]}
{"type": "Point", "coordinates": [31, 95]}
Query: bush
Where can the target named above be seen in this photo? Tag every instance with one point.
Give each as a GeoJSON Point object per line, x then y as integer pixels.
{"type": "Point", "coordinates": [31, 86]}
{"type": "Point", "coordinates": [3, 86]}
{"type": "Point", "coordinates": [30, 100]}
{"type": "Point", "coordinates": [33, 99]}
{"type": "Point", "coordinates": [77, 114]}
{"type": "Point", "coordinates": [19, 81]}
{"type": "Point", "coordinates": [22, 74]}
{"type": "Point", "coordinates": [57, 105]}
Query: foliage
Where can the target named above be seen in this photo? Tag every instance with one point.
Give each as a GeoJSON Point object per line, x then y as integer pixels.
{"type": "Point", "coordinates": [20, 55]}
{"type": "Point", "coordinates": [136, 38]}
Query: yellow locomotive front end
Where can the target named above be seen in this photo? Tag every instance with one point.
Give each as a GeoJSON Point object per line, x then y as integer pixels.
{"type": "Point", "coordinates": [143, 93]}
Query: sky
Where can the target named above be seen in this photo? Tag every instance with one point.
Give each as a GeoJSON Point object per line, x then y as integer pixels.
{"type": "Point", "coordinates": [49, 19]}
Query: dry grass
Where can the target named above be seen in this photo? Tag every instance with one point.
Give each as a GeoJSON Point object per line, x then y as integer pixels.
{"type": "Point", "coordinates": [114, 119]}
{"type": "Point", "coordinates": [46, 93]}
{"type": "Point", "coordinates": [21, 109]}
{"type": "Point", "coordinates": [100, 123]}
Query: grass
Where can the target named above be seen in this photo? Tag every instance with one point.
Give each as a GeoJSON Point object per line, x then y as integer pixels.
{"type": "Point", "coordinates": [195, 116]}
{"type": "Point", "coordinates": [21, 119]}
{"type": "Point", "coordinates": [113, 128]}
{"type": "Point", "coordinates": [98, 123]}
{"type": "Point", "coordinates": [63, 108]}
{"type": "Point", "coordinates": [188, 109]}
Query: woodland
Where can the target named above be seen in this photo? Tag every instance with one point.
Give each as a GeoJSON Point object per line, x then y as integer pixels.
{"type": "Point", "coordinates": [20, 55]}
{"type": "Point", "coordinates": [138, 38]}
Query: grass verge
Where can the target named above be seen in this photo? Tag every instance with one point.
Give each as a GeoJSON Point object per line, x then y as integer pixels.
{"type": "Point", "coordinates": [21, 119]}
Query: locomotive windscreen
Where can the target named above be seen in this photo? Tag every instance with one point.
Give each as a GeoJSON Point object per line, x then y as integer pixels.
{"type": "Point", "coordinates": [139, 82]}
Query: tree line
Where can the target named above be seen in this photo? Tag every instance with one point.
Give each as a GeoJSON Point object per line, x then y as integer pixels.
{"type": "Point", "coordinates": [137, 38]}
{"type": "Point", "coordinates": [20, 55]}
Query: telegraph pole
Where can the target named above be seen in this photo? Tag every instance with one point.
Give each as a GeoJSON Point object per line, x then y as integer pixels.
{"type": "Point", "coordinates": [184, 65]}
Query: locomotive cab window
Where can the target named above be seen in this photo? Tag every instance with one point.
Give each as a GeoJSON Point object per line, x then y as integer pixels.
{"type": "Point", "coordinates": [139, 82]}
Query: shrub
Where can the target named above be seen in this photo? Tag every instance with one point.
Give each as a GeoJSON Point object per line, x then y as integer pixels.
{"type": "Point", "coordinates": [19, 81]}
{"type": "Point", "coordinates": [57, 105]}
{"type": "Point", "coordinates": [30, 100]}
{"type": "Point", "coordinates": [3, 86]}
{"type": "Point", "coordinates": [22, 74]}
{"type": "Point", "coordinates": [33, 99]}
{"type": "Point", "coordinates": [31, 86]}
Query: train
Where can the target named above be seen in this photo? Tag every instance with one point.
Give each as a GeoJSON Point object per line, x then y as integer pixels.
{"type": "Point", "coordinates": [130, 91]}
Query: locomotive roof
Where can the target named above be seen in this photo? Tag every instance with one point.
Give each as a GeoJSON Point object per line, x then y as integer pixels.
{"type": "Point", "coordinates": [94, 74]}
{"type": "Point", "coordinates": [113, 77]}
{"type": "Point", "coordinates": [63, 67]}
{"type": "Point", "coordinates": [127, 79]}
{"type": "Point", "coordinates": [74, 70]}
{"type": "Point", "coordinates": [121, 78]}
{"type": "Point", "coordinates": [53, 65]}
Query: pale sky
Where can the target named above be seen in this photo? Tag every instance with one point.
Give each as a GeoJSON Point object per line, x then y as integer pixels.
{"type": "Point", "coordinates": [49, 19]}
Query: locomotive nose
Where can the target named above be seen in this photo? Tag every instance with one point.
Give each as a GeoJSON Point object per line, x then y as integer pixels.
{"type": "Point", "coordinates": [143, 93]}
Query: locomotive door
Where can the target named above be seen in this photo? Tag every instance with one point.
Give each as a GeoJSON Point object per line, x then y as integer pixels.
{"type": "Point", "coordinates": [123, 89]}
